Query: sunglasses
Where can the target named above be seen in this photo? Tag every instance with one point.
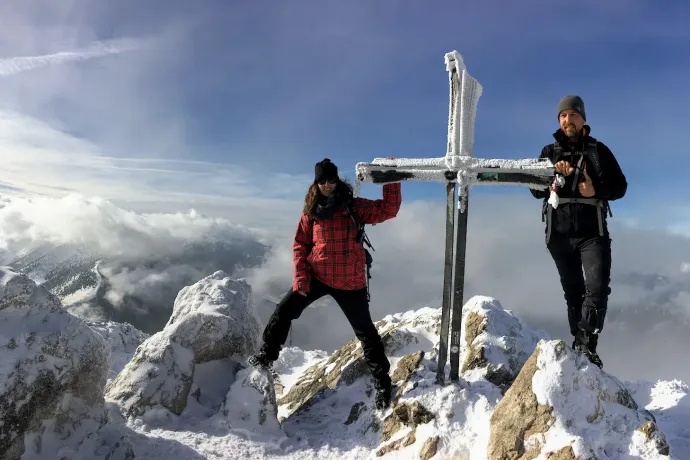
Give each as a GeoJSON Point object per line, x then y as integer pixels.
{"type": "Point", "coordinates": [327, 181]}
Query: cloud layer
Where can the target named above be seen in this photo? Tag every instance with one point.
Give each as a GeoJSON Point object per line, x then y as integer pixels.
{"type": "Point", "coordinates": [644, 337]}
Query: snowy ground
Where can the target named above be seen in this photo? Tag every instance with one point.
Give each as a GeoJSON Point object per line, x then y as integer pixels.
{"type": "Point", "coordinates": [463, 417]}
{"type": "Point", "coordinates": [321, 433]}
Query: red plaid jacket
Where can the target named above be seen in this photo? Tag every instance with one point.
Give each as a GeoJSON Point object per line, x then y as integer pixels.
{"type": "Point", "coordinates": [327, 249]}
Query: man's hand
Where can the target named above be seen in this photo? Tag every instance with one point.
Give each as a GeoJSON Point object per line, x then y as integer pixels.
{"type": "Point", "coordinates": [564, 168]}
{"type": "Point", "coordinates": [586, 188]}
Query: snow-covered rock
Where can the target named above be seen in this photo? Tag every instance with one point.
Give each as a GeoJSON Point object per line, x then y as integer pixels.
{"type": "Point", "coordinates": [215, 318]}
{"type": "Point", "coordinates": [251, 401]}
{"type": "Point", "coordinates": [228, 410]}
{"type": "Point", "coordinates": [52, 372]}
{"type": "Point", "coordinates": [123, 339]}
{"type": "Point", "coordinates": [212, 320]}
{"type": "Point", "coordinates": [562, 406]}
{"type": "Point", "coordinates": [400, 333]}
{"type": "Point", "coordinates": [160, 373]}
{"type": "Point", "coordinates": [497, 344]}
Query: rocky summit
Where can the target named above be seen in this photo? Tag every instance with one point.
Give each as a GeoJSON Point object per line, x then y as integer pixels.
{"type": "Point", "coordinates": [188, 392]}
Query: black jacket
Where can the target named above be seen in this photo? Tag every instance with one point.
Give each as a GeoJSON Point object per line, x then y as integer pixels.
{"type": "Point", "coordinates": [576, 219]}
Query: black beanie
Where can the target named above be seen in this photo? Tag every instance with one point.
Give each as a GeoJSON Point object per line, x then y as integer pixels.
{"type": "Point", "coordinates": [324, 169]}
{"type": "Point", "coordinates": [572, 102]}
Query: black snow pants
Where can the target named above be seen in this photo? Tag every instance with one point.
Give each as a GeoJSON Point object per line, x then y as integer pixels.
{"type": "Point", "coordinates": [586, 294]}
{"type": "Point", "coordinates": [354, 305]}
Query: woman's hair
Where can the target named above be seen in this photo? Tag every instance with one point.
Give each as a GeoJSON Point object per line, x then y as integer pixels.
{"type": "Point", "coordinates": [343, 191]}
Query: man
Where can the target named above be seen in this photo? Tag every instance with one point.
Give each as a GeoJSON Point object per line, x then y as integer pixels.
{"type": "Point", "coordinates": [577, 234]}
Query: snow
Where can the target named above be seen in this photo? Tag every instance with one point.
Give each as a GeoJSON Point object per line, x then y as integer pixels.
{"type": "Point", "coordinates": [462, 411]}
{"type": "Point", "coordinates": [460, 162]}
{"type": "Point", "coordinates": [465, 92]}
{"type": "Point", "coordinates": [212, 319]}
{"type": "Point", "coordinates": [467, 168]}
{"type": "Point", "coordinates": [590, 416]}
{"type": "Point", "coordinates": [290, 365]}
{"type": "Point", "coordinates": [52, 371]}
{"type": "Point", "coordinates": [123, 339]}
{"type": "Point", "coordinates": [669, 401]}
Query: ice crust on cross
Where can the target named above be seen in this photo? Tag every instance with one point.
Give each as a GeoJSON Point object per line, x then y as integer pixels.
{"type": "Point", "coordinates": [462, 111]}
{"type": "Point", "coordinates": [459, 159]}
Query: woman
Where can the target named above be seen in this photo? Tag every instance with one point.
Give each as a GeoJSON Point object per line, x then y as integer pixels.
{"type": "Point", "coordinates": [329, 261]}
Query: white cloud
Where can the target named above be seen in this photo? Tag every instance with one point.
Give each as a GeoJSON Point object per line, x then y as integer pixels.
{"type": "Point", "coordinates": [19, 64]}
{"type": "Point", "coordinates": [150, 256]}
{"type": "Point", "coordinates": [105, 228]}
{"type": "Point", "coordinates": [38, 158]}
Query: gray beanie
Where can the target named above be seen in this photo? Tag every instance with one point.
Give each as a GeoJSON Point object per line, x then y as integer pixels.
{"type": "Point", "coordinates": [572, 102]}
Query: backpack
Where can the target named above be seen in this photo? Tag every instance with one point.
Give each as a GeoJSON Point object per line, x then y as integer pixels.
{"type": "Point", "coordinates": [362, 239]}
{"type": "Point", "coordinates": [591, 152]}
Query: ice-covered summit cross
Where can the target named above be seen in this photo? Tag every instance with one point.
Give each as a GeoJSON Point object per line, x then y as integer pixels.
{"type": "Point", "coordinates": [458, 168]}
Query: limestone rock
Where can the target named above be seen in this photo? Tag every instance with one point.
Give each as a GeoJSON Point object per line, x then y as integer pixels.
{"type": "Point", "coordinates": [355, 412]}
{"type": "Point", "coordinates": [561, 406]}
{"type": "Point", "coordinates": [405, 441]}
{"type": "Point", "coordinates": [496, 342]}
{"type": "Point", "coordinates": [160, 373]}
{"type": "Point", "coordinates": [122, 450]}
{"type": "Point", "coordinates": [652, 434]}
{"type": "Point", "coordinates": [123, 339]}
{"type": "Point", "coordinates": [430, 447]}
{"type": "Point", "coordinates": [251, 401]}
{"type": "Point", "coordinates": [405, 414]}
{"type": "Point", "coordinates": [54, 367]}
{"type": "Point", "coordinates": [212, 320]}
{"type": "Point", "coordinates": [347, 364]}
{"type": "Point", "coordinates": [215, 319]}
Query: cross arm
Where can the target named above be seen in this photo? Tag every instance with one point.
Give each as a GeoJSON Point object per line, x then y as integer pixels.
{"type": "Point", "coordinates": [535, 173]}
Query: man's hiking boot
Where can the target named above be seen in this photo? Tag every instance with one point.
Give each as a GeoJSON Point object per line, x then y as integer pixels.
{"type": "Point", "coordinates": [590, 354]}
{"type": "Point", "coordinates": [595, 359]}
{"type": "Point", "coordinates": [260, 360]}
{"type": "Point", "coordinates": [383, 397]}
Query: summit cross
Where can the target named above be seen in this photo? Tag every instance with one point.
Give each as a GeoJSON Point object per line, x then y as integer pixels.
{"type": "Point", "coordinates": [458, 169]}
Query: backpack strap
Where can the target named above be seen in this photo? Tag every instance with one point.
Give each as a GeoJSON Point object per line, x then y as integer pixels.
{"type": "Point", "coordinates": [593, 154]}
{"type": "Point", "coordinates": [557, 152]}
{"type": "Point", "coordinates": [362, 239]}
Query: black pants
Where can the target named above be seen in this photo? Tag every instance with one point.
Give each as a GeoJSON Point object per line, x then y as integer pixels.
{"type": "Point", "coordinates": [356, 308]}
{"type": "Point", "coordinates": [586, 295]}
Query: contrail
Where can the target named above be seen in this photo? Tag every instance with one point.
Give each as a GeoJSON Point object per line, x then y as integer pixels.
{"type": "Point", "coordinates": [15, 65]}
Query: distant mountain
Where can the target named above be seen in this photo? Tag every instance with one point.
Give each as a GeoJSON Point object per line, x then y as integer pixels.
{"type": "Point", "coordinates": [137, 290]}
{"type": "Point", "coordinates": [66, 270]}
{"type": "Point", "coordinates": [645, 298]}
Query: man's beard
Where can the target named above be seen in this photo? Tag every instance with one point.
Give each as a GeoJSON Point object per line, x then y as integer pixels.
{"type": "Point", "coordinates": [572, 132]}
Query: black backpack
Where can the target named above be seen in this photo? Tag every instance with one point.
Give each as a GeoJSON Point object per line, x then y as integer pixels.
{"type": "Point", "coordinates": [591, 152]}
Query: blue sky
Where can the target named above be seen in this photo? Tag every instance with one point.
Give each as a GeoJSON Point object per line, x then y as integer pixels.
{"type": "Point", "coordinates": [222, 99]}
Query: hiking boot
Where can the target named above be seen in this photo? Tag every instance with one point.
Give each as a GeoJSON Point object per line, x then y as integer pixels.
{"type": "Point", "coordinates": [595, 359]}
{"type": "Point", "coordinates": [383, 397]}
{"type": "Point", "coordinates": [260, 360]}
{"type": "Point", "coordinates": [590, 354]}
